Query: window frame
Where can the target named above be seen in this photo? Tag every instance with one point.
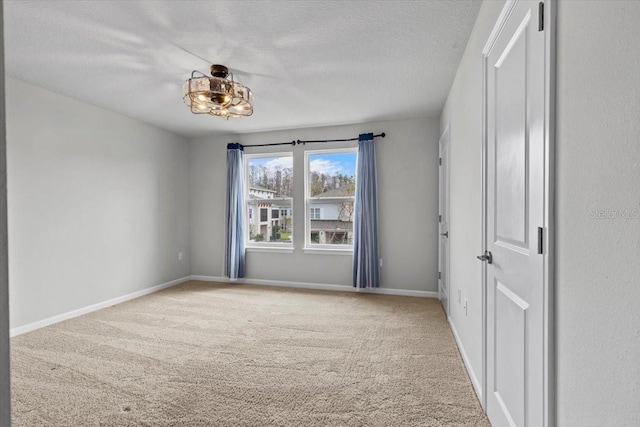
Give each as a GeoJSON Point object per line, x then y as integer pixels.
{"type": "Point", "coordinates": [310, 247]}
{"type": "Point", "coordinates": [312, 215]}
{"type": "Point", "coordinates": [266, 245]}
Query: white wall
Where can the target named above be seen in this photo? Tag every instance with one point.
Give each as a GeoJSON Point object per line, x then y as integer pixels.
{"type": "Point", "coordinates": [598, 169]}
{"type": "Point", "coordinates": [408, 187]}
{"type": "Point", "coordinates": [97, 204]}
{"type": "Point", "coordinates": [5, 390]}
{"type": "Point", "coordinates": [463, 112]}
{"type": "Point", "coordinates": [329, 210]}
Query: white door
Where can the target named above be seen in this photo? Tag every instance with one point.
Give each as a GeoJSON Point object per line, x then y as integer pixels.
{"type": "Point", "coordinates": [515, 97]}
{"type": "Point", "coordinates": [443, 220]}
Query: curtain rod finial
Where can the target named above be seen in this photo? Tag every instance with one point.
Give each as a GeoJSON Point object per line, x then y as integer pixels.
{"type": "Point", "coordinates": [383, 134]}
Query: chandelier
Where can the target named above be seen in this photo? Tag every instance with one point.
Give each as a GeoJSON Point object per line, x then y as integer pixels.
{"type": "Point", "coordinates": [217, 95]}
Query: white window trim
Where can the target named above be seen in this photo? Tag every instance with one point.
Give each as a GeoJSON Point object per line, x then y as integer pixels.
{"type": "Point", "coordinates": [323, 250]}
{"type": "Point", "coordinates": [273, 247]}
{"type": "Point", "coordinates": [313, 248]}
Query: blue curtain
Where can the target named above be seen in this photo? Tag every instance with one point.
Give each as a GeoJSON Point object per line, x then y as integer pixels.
{"type": "Point", "coordinates": [234, 262]}
{"type": "Point", "coordinates": [366, 270]}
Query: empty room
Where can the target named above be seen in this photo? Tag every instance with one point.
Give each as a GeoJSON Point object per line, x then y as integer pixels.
{"type": "Point", "coordinates": [320, 213]}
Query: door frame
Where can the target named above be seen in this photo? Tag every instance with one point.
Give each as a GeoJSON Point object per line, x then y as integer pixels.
{"type": "Point", "coordinates": [5, 356]}
{"type": "Point", "coordinates": [550, 7]}
{"type": "Point", "coordinates": [444, 141]}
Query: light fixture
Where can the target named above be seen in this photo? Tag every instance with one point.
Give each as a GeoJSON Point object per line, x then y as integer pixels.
{"type": "Point", "coordinates": [217, 95]}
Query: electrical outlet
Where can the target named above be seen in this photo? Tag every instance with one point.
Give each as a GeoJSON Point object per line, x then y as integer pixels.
{"type": "Point", "coordinates": [466, 307]}
{"type": "Point", "coordinates": [180, 256]}
{"type": "Point", "coordinates": [380, 262]}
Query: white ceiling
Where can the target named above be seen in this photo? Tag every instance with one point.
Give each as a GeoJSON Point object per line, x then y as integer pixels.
{"type": "Point", "coordinates": [308, 63]}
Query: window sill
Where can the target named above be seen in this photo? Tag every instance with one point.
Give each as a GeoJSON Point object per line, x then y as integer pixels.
{"type": "Point", "coordinates": [272, 250]}
{"type": "Point", "coordinates": [328, 251]}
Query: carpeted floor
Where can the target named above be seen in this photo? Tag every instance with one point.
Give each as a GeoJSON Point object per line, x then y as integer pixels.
{"type": "Point", "coordinates": [203, 354]}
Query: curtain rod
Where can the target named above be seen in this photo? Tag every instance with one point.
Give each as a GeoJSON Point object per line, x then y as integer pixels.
{"type": "Point", "coordinates": [299, 141]}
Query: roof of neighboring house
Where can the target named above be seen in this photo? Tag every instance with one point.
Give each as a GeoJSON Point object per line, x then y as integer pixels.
{"type": "Point", "coordinates": [331, 225]}
{"type": "Point", "coordinates": [253, 195]}
{"type": "Point", "coordinates": [268, 190]}
{"type": "Point", "coordinates": [337, 192]}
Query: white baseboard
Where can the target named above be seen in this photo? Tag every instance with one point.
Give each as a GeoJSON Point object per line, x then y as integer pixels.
{"type": "Point", "coordinates": [319, 286]}
{"type": "Point", "coordinates": [477, 386]}
{"type": "Point", "coordinates": [303, 285]}
{"type": "Point", "coordinates": [79, 312]}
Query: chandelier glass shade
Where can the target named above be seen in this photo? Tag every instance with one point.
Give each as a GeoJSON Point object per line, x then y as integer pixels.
{"type": "Point", "coordinates": [217, 95]}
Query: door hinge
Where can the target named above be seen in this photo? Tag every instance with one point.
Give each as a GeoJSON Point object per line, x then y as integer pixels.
{"type": "Point", "coordinates": [540, 235]}
{"type": "Point", "coordinates": [439, 274]}
{"type": "Point", "coordinates": [439, 218]}
{"type": "Point", "coordinates": [541, 16]}
{"type": "Point", "coordinates": [440, 161]}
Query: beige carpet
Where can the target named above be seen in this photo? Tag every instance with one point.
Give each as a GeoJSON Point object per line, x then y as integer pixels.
{"type": "Point", "coordinates": [203, 354]}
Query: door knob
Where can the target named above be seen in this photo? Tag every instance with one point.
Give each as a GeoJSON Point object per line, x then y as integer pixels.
{"type": "Point", "coordinates": [446, 234]}
{"type": "Point", "coordinates": [486, 257]}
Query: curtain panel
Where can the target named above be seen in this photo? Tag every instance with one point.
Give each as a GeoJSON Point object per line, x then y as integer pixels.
{"type": "Point", "coordinates": [366, 270]}
{"type": "Point", "coordinates": [234, 264]}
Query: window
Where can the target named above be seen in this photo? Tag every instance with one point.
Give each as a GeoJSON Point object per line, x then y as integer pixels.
{"type": "Point", "coordinates": [330, 193]}
{"type": "Point", "coordinates": [269, 179]}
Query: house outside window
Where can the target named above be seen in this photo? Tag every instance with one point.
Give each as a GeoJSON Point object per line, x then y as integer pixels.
{"type": "Point", "coordinates": [269, 179]}
{"type": "Point", "coordinates": [330, 182]}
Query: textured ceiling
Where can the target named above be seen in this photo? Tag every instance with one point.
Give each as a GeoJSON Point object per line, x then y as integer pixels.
{"type": "Point", "coordinates": [308, 63]}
